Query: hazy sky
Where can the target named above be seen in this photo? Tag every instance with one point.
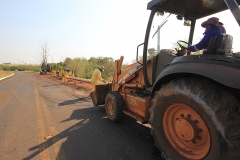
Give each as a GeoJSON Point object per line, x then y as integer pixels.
{"type": "Point", "coordinates": [74, 28]}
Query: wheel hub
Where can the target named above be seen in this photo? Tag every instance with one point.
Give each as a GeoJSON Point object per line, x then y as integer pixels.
{"type": "Point", "coordinates": [184, 129]}
{"type": "Point", "coordinates": [110, 107]}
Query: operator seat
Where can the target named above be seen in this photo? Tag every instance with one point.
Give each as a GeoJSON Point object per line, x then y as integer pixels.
{"type": "Point", "coordinates": [220, 45]}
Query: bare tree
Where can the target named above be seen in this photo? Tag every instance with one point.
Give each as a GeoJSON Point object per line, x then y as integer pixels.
{"type": "Point", "coordinates": [43, 52]}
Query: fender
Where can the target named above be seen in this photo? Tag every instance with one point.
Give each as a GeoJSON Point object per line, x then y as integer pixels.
{"type": "Point", "coordinates": [224, 70]}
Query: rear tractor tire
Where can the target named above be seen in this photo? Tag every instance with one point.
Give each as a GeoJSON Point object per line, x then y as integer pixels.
{"type": "Point", "coordinates": [193, 118]}
{"type": "Point", "coordinates": [114, 104]}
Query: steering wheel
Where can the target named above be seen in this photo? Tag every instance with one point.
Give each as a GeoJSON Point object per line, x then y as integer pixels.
{"type": "Point", "coordinates": [182, 50]}
{"type": "Point", "coordinates": [182, 47]}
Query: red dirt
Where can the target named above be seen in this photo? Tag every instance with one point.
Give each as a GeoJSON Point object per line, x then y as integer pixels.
{"type": "Point", "coordinates": [79, 84]}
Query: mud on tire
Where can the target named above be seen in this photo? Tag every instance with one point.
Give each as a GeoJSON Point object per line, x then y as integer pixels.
{"type": "Point", "coordinates": [114, 104]}
{"type": "Point", "coordinates": [218, 108]}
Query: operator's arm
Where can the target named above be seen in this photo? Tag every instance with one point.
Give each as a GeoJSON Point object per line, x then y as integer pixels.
{"type": "Point", "coordinates": [204, 42]}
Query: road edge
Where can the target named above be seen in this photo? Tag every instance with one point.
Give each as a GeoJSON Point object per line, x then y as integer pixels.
{"type": "Point", "coordinates": [7, 76]}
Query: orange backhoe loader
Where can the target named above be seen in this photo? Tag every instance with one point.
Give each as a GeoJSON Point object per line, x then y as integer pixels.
{"type": "Point", "coordinates": [192, 102]}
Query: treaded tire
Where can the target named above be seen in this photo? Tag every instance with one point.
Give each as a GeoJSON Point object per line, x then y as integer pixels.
{"type": "Point", "coordinates": [218, 108]}
{"type": "Point", "coordinates": [115, 110]}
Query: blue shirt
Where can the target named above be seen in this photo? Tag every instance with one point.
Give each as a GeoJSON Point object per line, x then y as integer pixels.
{"type": "Point", "coordinates": [204, 42]}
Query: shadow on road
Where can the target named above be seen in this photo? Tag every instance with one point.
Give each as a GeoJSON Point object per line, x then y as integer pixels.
{"type": "Point", "coordinates": [74, 101]}
{"type": "Point", "coordinates": [94, 136]}
{"type": "Point", "coordinates": [50, 85]}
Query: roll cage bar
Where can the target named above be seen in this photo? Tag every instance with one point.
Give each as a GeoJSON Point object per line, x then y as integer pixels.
{"type": "Point", "coordinates": [193, 10]}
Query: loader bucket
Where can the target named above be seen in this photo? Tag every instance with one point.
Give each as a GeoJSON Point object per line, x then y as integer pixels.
{"type": "Point", "coordinates": [99, 94]}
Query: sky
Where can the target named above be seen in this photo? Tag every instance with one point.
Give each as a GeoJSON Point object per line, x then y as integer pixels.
{"type": "Point", "coordinates": [77, 28]}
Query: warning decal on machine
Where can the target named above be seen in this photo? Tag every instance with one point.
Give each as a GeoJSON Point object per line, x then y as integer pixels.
{"type": "Point", "coordinates": [132, 101]}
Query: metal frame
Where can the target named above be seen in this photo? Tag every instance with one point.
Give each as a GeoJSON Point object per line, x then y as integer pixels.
{"type": "Point", "coordinates": [147, 84]}
{"type": "Point", "coordinates": [234, 8]}
{"type": "Point", "coordinates": [190, 39]}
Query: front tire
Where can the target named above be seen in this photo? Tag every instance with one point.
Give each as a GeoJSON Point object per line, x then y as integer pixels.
{"type": "Point", "coordinates": [114, 104]}
{"type": "Point", "coordinates": [195, 119]}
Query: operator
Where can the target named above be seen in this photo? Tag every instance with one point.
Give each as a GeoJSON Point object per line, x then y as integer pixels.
{"type": "Point", "coordinates": [97, 77]}
{"type": "Point", "coordinates": [65, 75]}
{"type": "Point", "coordinates": [213, 28]}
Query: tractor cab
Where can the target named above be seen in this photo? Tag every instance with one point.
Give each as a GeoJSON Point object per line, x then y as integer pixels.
{"type": "Point", "coordinates": [171, 28]}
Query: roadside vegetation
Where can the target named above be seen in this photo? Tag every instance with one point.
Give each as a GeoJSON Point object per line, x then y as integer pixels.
{"type": "Point", "coordinates": [5, 73]}
{"type": "Point", "coordinates": [83, 68]}
{"type": "Point", "coordinates": [12, 67]}
{"type": "Point", "coordinates": [79, 67]}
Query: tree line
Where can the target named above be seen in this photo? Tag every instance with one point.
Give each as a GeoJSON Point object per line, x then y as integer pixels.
{"type": "Point", "coordinates": [81, 67]}
{"type": "Point", "coordinates": [84, 68]}
{"type": "Point", "coordinates": [12, 67]}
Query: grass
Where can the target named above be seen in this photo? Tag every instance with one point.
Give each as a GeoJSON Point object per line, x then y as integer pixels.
{"type": "Point", "coordinates": [5, 73]}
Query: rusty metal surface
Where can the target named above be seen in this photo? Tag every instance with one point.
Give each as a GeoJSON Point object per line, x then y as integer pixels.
{"type": "Point", "coordinates": [138, 105]}
{"type": "Point", "coordinates": [101, 90]}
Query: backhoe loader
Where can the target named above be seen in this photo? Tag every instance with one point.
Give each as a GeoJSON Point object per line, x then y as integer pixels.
{"type": "Point", "coordinates": [192, 102]}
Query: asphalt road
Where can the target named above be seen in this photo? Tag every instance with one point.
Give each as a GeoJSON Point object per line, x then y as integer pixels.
{"type": "Point", "coordinates": [40, 118]}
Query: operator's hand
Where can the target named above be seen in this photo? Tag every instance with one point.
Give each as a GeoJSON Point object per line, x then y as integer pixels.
{"type": "Point", "coordinates": [186, 50]}
{"type": "Point", "coordinates": [104, 81]}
